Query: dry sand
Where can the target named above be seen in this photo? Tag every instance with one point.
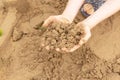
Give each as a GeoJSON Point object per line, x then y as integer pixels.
{"type": "Point", "coordinates": [64, 35]}
{"type": "Point", "coordinates": [23, 58]}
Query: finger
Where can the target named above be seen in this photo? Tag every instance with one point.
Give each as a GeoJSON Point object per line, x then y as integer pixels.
{"type": "Point", "coordinates": [85, 38]}
{"type": "Point", "coordinates": [65, 50]}
{"type": "Point", "coordinates": [74, 48]}
{"type": "Point", "coordinates": [82, 41]}
{"type": "Point", "coordinates": [88, 34]}
{"type": "Point", "coordinates": [48, 21]}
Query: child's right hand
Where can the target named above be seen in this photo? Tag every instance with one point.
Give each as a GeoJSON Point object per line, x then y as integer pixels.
{"type": "Point", "coordinates": [57, 18]}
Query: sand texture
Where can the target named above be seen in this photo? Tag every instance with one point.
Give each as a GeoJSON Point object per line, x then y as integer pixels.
{"type": "Point", "coordinates": [23, 58]}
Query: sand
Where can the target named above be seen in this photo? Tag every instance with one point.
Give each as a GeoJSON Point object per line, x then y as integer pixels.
{"type": "Point", "coordinates": [61, 35]}
{"type": "Point", "coordinates": [23, 58]}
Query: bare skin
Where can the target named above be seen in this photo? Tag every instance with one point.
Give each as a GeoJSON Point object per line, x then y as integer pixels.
{"type": "Point", "coordinates": [109, 8]}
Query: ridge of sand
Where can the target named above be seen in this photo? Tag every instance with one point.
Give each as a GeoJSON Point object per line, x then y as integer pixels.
{"type": "Point", "coordinates": [7, 26]}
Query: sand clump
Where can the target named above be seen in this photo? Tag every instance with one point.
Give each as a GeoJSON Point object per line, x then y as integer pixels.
{"type": "Point", "coordinates": [17, 35]}
{"type": "Point", "coordinates": [59, 35]}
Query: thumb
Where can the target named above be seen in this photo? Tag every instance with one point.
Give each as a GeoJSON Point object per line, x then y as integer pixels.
{"type": "Point", "coordinates": [48, 21]}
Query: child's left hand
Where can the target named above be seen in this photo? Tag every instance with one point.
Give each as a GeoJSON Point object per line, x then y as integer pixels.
{"type": "Point", "coordinates": [84, 37]}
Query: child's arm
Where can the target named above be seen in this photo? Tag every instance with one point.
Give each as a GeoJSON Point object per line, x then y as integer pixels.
{"type": "Point", "coordinates": [72, 9]}
{"type": "Point", "coordinates": [106, 10]}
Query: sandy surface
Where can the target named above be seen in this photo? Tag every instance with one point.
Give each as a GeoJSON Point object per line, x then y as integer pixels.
{"type": "Point", "coordinates": [23, 58]}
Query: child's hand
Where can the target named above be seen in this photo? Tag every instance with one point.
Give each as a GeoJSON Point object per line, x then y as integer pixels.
{"type": "Point", "coordinates": [86, 34]}
{"type": "Point", "coordinates": [57, 18]}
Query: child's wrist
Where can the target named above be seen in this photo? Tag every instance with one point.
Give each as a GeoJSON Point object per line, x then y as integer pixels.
{"type": "Point", "coordinates": [87, 24]}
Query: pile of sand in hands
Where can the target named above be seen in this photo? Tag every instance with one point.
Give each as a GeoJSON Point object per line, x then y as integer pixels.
{"type": "Point", "coordinates": [59, 35]}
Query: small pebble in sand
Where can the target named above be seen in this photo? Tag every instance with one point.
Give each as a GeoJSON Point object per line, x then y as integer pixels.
{"type": "Point", "coordinates": [17, 35]}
